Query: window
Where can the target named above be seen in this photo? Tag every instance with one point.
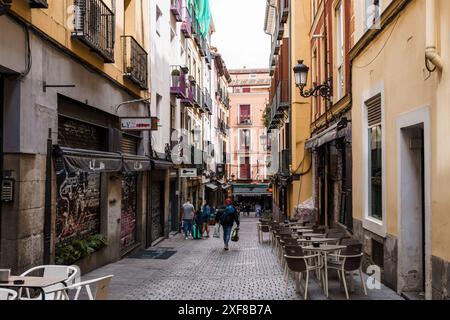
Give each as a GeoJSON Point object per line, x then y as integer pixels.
{"type": "Point", "coordinates": [244, 139]}
{"type": "Point", "coordinates": [158, 21]}
{"type": "Point", "coordinates": [372, 10]}
{"type": "Point", "coordinates": [375, 152]}
{"type": "Point", "coordinates": [244, 114]}
{"type": "Point", "coordinates": [340, 49]}
{"type": "Point", "coordinates": [246, 90]}
{"type": "Point", "coordinates": [252, 76]}
{"type": "Point", "coordinates": [244, 168]}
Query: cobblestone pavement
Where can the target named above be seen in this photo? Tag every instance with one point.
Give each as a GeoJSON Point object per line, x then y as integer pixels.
{"type": "Point", "coordinates": [202, 270]}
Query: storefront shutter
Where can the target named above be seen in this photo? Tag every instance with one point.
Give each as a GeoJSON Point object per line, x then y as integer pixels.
{"type": "Point", "coordinates": [129, 144]}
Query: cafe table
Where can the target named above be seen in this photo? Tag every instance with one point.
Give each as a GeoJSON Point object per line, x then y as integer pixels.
{"type": "Point", "coordinates": [320, 240]}
{"type": "Point", "coordinates": [38, 283]}
{"type": "Point", "coordinates": [324, 249]}
{"type": "Point", "coordinates": [313, 235]}
{"type": "Point", "coordinates": [302, 231]}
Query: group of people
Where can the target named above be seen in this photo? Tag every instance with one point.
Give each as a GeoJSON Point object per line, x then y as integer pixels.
{"type": "Point", "coordinates": [246, 208]}
{"type": "Point", "coordinates": [226, 216]}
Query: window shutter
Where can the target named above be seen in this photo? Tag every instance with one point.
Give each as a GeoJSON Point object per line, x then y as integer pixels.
{"type": "Point", "coordinates": [374, 110]}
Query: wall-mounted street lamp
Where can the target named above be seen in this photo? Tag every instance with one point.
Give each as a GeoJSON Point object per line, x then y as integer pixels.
{"type": "Point", "coordinates": [301, 80]}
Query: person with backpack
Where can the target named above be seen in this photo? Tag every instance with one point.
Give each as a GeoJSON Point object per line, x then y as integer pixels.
{"type": "Point", "coordinates": [227, 218]}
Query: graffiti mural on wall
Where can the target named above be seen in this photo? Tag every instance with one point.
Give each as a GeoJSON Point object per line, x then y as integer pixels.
{"type": "Point", "coordinates": [78, 206]}
{"type": "Point", "coordinates": [129, 209]}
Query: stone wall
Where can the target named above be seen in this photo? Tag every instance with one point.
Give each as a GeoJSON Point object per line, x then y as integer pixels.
{"type": "Point", "coordinates": [440, 278]}
{"type": "Point", "coordinates": [390, 261]}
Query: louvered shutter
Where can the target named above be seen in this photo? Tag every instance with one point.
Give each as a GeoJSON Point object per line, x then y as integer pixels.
{"type": "Point", "coordinates": [374, 111]}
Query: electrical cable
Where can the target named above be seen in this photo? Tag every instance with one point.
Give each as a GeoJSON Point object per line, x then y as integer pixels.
{"type": "Point", "coordinates": [28, 58]}
{"type": "Point", "coordinates": [382, 48]}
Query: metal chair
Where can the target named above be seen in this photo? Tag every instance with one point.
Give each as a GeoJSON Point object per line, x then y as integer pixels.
{"type": "Point", "coordinates": [299, 263]}
{"type": "Point", "coordinates": [101, 289]}
{"type": "Point", "coordinates": [349, 261]}
{"type": "Point", "coordinates": [69, 272]}
{"type": "Point", "coordinates": [7, 294]}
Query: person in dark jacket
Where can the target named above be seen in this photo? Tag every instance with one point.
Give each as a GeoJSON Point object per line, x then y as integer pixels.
{"type": "Point", "coordinates": [227, 218]}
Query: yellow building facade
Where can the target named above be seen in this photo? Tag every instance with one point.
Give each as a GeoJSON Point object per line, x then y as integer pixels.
{"type": "Point", "coordinates": [401, 106]}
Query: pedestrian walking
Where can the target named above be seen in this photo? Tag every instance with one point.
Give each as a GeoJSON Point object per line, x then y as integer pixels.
{"type": "Point", "coordinates": [227, 218]}
{"type": "Point", "coordinates": [188, 216]}
{"type": "Point", "coordinates": [204, 217]}
{"type": "Point", "coordinates": [258, 210]}
{"type": "Point", "coordinates": [247, 209]}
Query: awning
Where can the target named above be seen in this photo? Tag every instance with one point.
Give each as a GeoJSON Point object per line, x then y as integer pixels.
{"type": "Point", "coordinates": [221, 181]}
{"type": "Point", "coordinates": [134, 163]}
{"type": "Point", "coordinates": [161, 164]}
{"type": "Point", "coordinates": [226, 186]}
{"type": "Point", "coordinates": [78, 160]}
{"type": "Point", "coordinates": [249, 190]}
{"type": "Point", "coordinates": [211, 186]}
{"type": "Point", "coordinates": [324, 137]}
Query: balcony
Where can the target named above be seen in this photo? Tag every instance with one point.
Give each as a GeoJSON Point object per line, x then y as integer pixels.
{"type": "Point", "coordinates": [135, 61]}
{"type": "Point", "coordinates": [190, 94]}
{"type": "Point", "coordinates": [94, 26]}
{"type": "Point", "coordinates": [245, 121]}
{"type": "Point", "coordinates": [284, 6]}
{"type": "Point", "coordinates": [223, 127]}
{"type": "Point", "coordinates": [176, 9]}
{"type": "Point", "coordinates": [198, 96]}
{"type": "Point", "coordinates": [186, 25]}
{"type": "Point", "coordinates": [207, 101]}
{"type": "Point", "coordinates": [280, 104]}
{"type": "Point", "coordinates": [178, 82]}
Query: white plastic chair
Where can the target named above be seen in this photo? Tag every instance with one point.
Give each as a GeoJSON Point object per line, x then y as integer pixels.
{"type": "Point", "coordinates": [7, 294]}
{"type": "Point", "coordinates": [69, 272]}
{"type": "Point", "coordinates": [101, 289]}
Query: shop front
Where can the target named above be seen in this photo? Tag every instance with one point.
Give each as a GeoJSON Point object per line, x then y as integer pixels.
{"type": "Point", "coordinates": [332, 183]}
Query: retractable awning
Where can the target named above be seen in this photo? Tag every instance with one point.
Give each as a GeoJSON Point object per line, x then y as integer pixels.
{"type": "Point", "coordinates": [91, 161]}
{"type": "Point", "coordinates": [211, 186]}
{"type": "Point", "coordinates": [326, 136]}
{"type": "Point", "coordinates": [161, 164]}
{"type": "Point", "coordinates": [132, 163]}
{"type": "Point", "coordinates": [251, 190]}
{"type": "Point", "coordinates": [78, 160]}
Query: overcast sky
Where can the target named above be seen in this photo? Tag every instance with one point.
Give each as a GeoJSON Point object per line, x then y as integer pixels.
{"type": "Point", "coordinates": [239, 34]}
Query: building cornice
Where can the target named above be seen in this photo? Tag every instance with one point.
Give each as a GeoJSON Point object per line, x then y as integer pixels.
{"type": "Point", "coordinates": [387, 17]}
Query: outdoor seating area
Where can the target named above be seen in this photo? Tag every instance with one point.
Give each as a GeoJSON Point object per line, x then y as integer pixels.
{"type": "Point", "coordinates": [52, 282]}
{"type": "Point", "coordinates": [306, 250]}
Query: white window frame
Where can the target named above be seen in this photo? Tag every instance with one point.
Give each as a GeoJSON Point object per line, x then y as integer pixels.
{"type": "Point", "coordinates": [239, 139]}
{"type": "Point", "coordinates": [240, 158]}
{"type": "Point", "coordinates": [340, 48]}
{"type": "Point", "coordinates": [372, 224]}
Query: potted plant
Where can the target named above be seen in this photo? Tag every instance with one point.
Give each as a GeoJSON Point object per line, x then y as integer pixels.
{"type": "Point", "coordinates": [176, 77]}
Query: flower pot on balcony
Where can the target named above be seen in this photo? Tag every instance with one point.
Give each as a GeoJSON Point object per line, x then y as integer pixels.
{"type": "Point", "coordinates": [176, 78]}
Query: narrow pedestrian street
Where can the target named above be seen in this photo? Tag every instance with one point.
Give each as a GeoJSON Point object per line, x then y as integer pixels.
{"type": "Point", "coordinates": [202, 270]}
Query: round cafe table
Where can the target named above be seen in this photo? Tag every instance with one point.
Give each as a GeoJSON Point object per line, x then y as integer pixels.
{"type": "Point", "coordinates": [324, 249]}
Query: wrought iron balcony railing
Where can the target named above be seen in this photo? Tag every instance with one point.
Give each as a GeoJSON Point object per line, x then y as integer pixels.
{"type": "Point", "coordinates": [198, 96]}
{"type": "Point", "coordinates": [186, 25]}
{"type": "Point", "coordinates": [176, 9]}
{"type": "Point", "coordinates": [94, 26]}
{"type": "Point", "coordinates": [190, 94]}
{"type": "Point", "coordinates": [135, 61]}
{"type": "Point", "coordinates": [284, 10]}
{"type": "Point", "coordinates": [207, 101]}
{"type": "Point", "coordinates": [178, 82]}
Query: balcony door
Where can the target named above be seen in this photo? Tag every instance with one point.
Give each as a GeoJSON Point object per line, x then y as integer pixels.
{"type": "Point", "coordinates": [245, 168]}
{"type": "Point", "coordinates": [244, 114]}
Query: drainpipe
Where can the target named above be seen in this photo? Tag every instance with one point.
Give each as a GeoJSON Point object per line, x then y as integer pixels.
{"type": "Point", "coordinates": [431, 53]}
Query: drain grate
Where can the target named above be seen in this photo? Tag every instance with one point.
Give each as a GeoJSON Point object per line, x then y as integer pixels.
{"type": "Point", "coordinates": [160, 254]}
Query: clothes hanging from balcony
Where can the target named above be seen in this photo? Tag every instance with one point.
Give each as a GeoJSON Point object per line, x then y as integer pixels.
{"type": "Point", "coordinates": [202, 12]}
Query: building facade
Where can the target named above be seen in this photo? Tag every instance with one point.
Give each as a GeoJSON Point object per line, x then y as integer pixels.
{"type": "Point", "coordinates": [288, 114]}
{"type": "Point", "coordinates": [70, 172]}
{"type": "Point", "coordinates": [400, 88]}
{"type": "Point", "coordinates": [249, 143]}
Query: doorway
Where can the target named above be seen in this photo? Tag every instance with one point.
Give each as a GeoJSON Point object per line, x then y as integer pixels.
{"type": "Point", "coordinates": [413, 211]}
{"type": "Point", "coordinates": [1, 150]}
